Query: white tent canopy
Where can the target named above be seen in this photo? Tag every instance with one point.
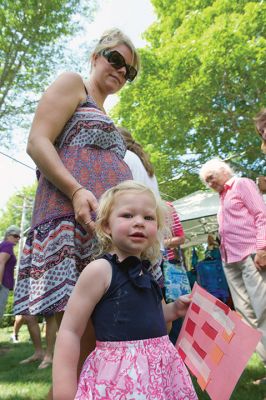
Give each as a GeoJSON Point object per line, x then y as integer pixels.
{"type": "Point", "coordinates": [198, 214]}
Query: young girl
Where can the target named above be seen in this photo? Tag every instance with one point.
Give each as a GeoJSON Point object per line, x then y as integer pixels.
{"type": "Point", "coordinates": [134, 358]}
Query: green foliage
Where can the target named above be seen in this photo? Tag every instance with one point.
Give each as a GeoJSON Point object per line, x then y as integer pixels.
{"type": "Point", "coordinates": [8, 318]}
{"type": "Point", "coordinates": [201, 84]}
{"type": "Point", "coordinates": [12, 214]}
{"type": "Point", "coordinates": [33, 37]}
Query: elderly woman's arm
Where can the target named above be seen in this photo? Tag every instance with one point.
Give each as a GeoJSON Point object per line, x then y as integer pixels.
{"type": "Point", "coordinates": [4, 257]}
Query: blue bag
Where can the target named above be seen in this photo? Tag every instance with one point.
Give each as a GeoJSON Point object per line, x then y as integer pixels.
{"type": "Point", "coordinates": [211, 277]}
{"type": "Point", "coordinates": [176, 281]}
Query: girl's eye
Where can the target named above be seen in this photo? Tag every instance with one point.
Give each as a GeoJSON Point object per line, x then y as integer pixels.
{"type": "Point", "coordinates": [149, 218]}
{"type": "Point", "coordinates": [127, 215]}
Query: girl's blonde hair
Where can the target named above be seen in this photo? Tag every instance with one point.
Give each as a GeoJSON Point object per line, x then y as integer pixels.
{"type": "Point", "coordinates": [136, 148]}
{"type": "Point", "coordinates": [113, 37]}
{"type": "Point", "coordinates": [106, 204]}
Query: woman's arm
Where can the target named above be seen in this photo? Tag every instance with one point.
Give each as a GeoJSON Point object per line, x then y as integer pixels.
{"type": "Point", "coordinates": [91, 285]}
{"type": "Point", "coordinates": [255, 205]}
{"type": "Point", "coordinates": [177, 308]}
{"type": "Point", "coordinates": [173, 242]}
{"type": "Point", "coordinates": [4, 257]}
{"type": "Point", "coordinates": [55, 108]}
{"type": "Point", "coordinates": [178, 235]}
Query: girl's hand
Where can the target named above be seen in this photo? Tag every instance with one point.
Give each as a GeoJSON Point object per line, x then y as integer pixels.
{"type": "Point", "coordinates": [84, 204]}
{"type": "Point", "coordinates": [182, 304]}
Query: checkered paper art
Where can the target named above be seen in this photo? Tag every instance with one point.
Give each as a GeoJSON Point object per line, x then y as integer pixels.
{"type": "Point", "coordinates": [215, 344]}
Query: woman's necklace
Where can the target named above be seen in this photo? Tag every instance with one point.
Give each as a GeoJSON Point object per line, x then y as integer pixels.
{"type": "Point", "coordinates": [95, 97]}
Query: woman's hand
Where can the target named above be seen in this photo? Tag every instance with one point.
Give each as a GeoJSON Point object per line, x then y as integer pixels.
{"type": "Point", "coordinates": [84, 204]}
{"type": "Point", "coordinates": [260, 260]}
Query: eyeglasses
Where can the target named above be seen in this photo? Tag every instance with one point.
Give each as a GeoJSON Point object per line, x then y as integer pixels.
{"type": "Point", "coordinates": [117, 61]}
{"type": "Point", "coordinates": [16, 236]}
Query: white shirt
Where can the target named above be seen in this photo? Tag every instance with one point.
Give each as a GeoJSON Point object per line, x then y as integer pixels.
{"type": "Point", "coordinates": [139, 172]}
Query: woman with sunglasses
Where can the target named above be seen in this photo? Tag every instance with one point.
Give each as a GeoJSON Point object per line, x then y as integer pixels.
{"type": "Point", "coordinates": [79, 155]}
{"type": "Point", "coordinates": [7, 264]}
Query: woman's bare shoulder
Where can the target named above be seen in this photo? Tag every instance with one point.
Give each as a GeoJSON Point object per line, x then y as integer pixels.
{"type": "Point", "coordinates": [68, 83]}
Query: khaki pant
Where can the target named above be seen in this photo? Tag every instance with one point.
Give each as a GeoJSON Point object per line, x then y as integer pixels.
{"type": "Point", "coordinates": [248, 290]}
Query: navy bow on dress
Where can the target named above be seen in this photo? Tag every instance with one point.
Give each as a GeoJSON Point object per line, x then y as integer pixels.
{"type": "Point", "coordinates": [137, 271]}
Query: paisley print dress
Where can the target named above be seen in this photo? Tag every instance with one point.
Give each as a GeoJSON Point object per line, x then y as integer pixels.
{"type": "Point", "coordinates": [57, 247]}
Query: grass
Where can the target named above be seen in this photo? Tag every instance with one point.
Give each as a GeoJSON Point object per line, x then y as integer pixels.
{"type": "Point", "coordinates": [245, 388]}
{"type": "Point", "coordinates": [21, 382]}
{"type": "Point", "coordinates": [26, 382]}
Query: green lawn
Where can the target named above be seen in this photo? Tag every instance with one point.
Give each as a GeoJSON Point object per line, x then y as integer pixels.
{"type": "Point", "coordinates": [21, 382]}
{"type": "Point", "coordinates": [26, 382]}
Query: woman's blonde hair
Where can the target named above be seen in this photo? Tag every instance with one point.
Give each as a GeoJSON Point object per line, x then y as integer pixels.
{"type": "Point", "coordinates": [113, 37]}
{"type": "Point", "coordinates": [106, 204]}
{"type": "Point", "coordinates": [136, 148]}
{"type": "Point", "coordinates": [260, 121]}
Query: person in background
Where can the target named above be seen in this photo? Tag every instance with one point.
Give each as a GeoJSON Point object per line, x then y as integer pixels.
{"type": "Point", "coordinates": [35, 334]}
{"type": "Point", "coordinates": [79, 154]}
{"type": "Point", "coordinates": [176, 282]}
{"type": "Point", "coordinates": [46, 356]}
{"type": "Point", "coordinates": [260, 125]}
{"type": "Point", "coordinates": [134, 358]}
{"type": "Point", "coordinates": [242, 229]}
{"type": "Point", "coordinates": [19, 321]}
{"type": "Point", "coordinates": [138, 161]}
{"type": "Point", "coordinates": [7, 264]}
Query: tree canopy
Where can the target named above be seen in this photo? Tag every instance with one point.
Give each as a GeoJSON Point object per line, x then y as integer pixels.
{"type": "Point", "coordinates": [201, 84]}
{"type": "Point", "coordinates": [33, 36]}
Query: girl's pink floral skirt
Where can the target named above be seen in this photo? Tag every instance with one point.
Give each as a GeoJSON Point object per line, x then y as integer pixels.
{"type": "Point", "coordinates": [149, 369]}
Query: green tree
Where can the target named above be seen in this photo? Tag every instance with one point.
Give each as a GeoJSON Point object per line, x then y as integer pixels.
{"type": "Point", "coordinates": [33, 37]}
{"type": "Point", "coordinates": [202, 82]}
{"type": "Point", "coordinates": [20, 202]}
{"type": "Point", "coordinates": [12, 214]}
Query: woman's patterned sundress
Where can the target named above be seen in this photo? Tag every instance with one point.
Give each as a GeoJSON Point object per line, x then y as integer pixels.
{"type": "Point", "coordinates": [57, 247]}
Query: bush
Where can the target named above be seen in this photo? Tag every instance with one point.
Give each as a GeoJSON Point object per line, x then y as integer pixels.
{"type": "Point", "coordinates": [8, 317]}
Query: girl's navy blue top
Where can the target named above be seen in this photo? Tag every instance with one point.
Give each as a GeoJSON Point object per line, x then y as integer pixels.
{"type": "Point", "coordinates": [131, 309]}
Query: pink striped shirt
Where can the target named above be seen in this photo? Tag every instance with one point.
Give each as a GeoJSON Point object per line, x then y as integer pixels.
{"type": "Point", "coordinates": [176, 229]}
{"type": "Point", "coordinates": [242, 219]}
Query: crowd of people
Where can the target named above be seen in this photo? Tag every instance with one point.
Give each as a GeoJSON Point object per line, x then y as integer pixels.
{"type": "Point", "coordinates": [103, 244]}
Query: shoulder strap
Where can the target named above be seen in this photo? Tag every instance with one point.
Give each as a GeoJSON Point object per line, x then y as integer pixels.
{"type": "Point", "coordinates": [86, 90]}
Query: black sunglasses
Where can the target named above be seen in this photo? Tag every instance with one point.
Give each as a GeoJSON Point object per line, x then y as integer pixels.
{"type": "Point", "coordinates": [16, 236]}
{"type": "Point", "coordinates": [117, 61]}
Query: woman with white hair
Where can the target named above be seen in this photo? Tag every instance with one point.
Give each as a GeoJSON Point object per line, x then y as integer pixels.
{"type": "Point", "coordinates": [242, 229]}
{"type": "Point", "coordinates": [215, 173]}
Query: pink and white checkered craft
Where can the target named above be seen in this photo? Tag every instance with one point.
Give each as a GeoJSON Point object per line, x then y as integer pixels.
{"type": "Point", "coordinates": [215, 344]}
